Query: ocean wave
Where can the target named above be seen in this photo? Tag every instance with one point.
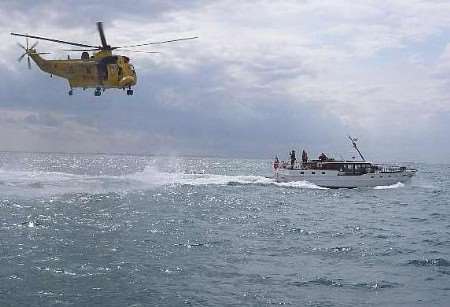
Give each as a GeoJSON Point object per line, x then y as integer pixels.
{"type": "Point", "coordinates": [379, 284]}
{"type": "Point", "coordinates": [430, 262]}
{"type": "Point", "coordinates": [340, 283]}
{"type": "Point", "coordinates": [319, 282]}
{"type": "Point", "coordinates": [332, 250]}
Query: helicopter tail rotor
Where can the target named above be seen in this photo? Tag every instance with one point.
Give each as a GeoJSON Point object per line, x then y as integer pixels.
{"type": "Point", "coordinates": [29, 50]}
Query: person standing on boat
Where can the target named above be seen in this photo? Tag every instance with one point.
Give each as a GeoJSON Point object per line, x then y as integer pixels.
{"type": "Point", "coordinates": [323, 157]}
{"type": "Point", "coordinates": [276, 163]}
{"type": "Point", "coordinates": [304, 156]}
{"type": "Point", "coordinates": [293, 158]}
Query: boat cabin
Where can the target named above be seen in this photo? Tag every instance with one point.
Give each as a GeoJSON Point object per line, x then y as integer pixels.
{"type": "Point", "coordinates": [345, 167]}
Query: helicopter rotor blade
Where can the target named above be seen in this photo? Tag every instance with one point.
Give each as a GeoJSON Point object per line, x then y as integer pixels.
{"type": "Point", "coordinates": [53, 40]}
{"type": "Point", "coordinates": [157, 43]}
{"type": "Point", "coordinates": [94, 49]}
{"type": "Point", "coordinates": [21, 46]}
{"type": "Point", "coordinates": [102, 34]}
{"type": "Point", "coordinates": [21, 57]}
{"type": "Point", "coordinates": [29, 62]}
{"type": "Point", "coordinates": [138, 51]}
{"type": "Point", "coordinates": [34, 45]}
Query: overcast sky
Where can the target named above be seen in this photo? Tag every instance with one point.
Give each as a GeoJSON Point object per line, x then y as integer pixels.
{"type": "Point", "coordinates": [264, 77]}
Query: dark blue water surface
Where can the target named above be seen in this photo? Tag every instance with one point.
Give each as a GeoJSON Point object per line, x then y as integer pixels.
{"type": "Point", "coordinates": [88, 230]}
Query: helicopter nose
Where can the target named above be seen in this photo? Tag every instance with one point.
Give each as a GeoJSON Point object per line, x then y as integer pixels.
{"type": "Point", "coordinates": [127, 81]}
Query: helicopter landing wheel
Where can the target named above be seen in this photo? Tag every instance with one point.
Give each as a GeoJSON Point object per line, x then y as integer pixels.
{"type": "Point", "coordinates": [70, 92]}
{"type": "Point", "coordinates": [129, 92]}
{"type": "Point", "coordinates": [97, 92]}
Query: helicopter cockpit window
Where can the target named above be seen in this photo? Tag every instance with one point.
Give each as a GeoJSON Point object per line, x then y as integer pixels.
{"type": "Point", "coordinates": [132, 69]}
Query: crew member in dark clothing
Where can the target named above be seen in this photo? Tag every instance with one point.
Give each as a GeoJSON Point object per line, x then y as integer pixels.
{"type": "Point", "coordinates": [304, 156]}
{"type": "Point", "coordinates": [323, 157]}
{"type": "Point", "coordinates": [276, 163]}
{"type": "Point", "coordinates": [293, 158]}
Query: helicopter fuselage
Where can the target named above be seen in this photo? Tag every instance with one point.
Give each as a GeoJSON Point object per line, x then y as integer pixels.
{"type": "Point", "coordinates": [102, 70]}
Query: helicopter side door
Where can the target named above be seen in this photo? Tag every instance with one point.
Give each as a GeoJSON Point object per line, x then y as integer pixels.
{"type": "Point", "coordinates": [102, 71]}
{"type": "Point", "coordinates": [113, 73]}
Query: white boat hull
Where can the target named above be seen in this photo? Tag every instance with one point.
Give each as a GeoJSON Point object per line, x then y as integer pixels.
{"type": "Point", "coordinates": [335, 179]}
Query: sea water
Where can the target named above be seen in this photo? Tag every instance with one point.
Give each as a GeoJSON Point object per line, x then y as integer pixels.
{"type": "Point", "coordinates": [84, 230]}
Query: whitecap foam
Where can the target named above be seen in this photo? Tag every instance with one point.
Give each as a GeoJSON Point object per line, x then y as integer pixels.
{"type": "Point", "coordinates": [392, 186]}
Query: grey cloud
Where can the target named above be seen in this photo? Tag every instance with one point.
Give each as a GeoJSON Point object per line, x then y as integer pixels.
{"type": "Point", "coordinates": [77, 12]}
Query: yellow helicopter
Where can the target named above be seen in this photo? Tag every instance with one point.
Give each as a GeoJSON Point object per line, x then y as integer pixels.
{"type": "Point", "coordinates": [101, 70]}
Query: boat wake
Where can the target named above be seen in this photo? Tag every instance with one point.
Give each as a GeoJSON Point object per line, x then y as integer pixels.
{"type": "Point", "coordinates": [393, 186]}
{"type": "Point", "coordinates": [155, 177]}
{"type": "Point", "coordinates": [14, 182]}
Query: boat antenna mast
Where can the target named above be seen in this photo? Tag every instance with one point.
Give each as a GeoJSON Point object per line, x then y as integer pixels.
{"type": "Point", "coordinates": [354, 140]}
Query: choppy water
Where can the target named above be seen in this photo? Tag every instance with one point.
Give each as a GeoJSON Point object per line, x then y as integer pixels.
{"type": "Point", "coordinates": [142, 231]}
